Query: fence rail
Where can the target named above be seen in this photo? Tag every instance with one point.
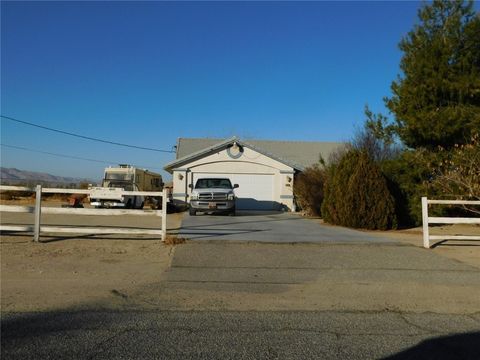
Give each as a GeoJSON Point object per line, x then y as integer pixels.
{"type": "Point", "coordinates": [446, 220]}
{"type": "Point", "coordinates": [38, 210]}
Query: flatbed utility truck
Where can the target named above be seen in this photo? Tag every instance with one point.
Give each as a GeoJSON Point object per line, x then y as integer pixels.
{"type": "Point", "coordinates": [125, 178]}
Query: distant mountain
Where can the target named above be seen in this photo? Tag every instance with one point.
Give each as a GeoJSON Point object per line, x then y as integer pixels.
{"type": "Point", "coordinates": [15, 176]}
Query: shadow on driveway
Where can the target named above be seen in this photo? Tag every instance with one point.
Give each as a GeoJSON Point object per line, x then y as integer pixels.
{"type": "Point", "coordinates": [458, 346]}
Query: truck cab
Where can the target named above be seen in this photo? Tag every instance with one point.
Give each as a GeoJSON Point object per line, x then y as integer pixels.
{"type": "Point", "coordinates": [213, 195]}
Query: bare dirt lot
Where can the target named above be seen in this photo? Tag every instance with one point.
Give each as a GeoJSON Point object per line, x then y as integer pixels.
{"type": "Point", "coordinates": [70, 271]}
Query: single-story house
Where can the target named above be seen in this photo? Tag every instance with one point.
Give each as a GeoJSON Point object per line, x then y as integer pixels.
{"type": "Point", "coordinates": [263, 169]}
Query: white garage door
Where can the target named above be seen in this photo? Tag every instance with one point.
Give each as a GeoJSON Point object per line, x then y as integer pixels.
{"type": "Point", "coordinates": [255, 191]}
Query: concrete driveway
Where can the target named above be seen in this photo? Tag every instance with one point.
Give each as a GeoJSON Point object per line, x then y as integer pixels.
{"type": "Point", "coordinates": [275, 227]}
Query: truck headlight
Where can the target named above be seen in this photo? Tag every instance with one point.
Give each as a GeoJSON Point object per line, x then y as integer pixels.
{"type": "Point", "coordinates": [231, 197]}
{"type": "Point", "coordinates": [194, 196]}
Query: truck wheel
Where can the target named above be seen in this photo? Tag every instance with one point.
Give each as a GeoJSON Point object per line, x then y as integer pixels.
{"type": "Point", "coordinates": [192, 212]}
{"type": "Point", "coordinates": [128, 205]}
{"type": "Point", "coordinates": [232, 213]}
{"type": "Point", "coordinates": [142, 205]}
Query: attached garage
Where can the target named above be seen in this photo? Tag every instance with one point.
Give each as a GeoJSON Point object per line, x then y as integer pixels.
{"type": "Point", "coordinates": [262, 170]}
{"type": "Point", "coordinates": [255, 191]}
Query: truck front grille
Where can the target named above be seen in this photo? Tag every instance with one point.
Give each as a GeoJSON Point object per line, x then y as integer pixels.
{"type": "Point", "coordinates": [212, 196]}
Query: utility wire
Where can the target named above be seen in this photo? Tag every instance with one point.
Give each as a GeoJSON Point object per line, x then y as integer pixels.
{"type": "Point", "coordinates": [84, 137]}
{"type": "Point", "coordinates": [74, 157]}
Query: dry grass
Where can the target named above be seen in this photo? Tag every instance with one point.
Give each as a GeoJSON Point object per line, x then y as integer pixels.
{"type": "Point", "coordinates": [174, 240]}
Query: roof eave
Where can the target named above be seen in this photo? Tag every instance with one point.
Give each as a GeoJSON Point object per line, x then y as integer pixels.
{"type": "Point", "coordinates": [198, 154]}
{"type": "Point", "coordinates": [171, 165]}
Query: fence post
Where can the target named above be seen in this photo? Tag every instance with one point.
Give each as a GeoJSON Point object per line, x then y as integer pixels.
{"type": "Point", "coordinates": [164, 215]}
{"type": "Point", "coordinates": [38, 213]}
{"type": "Point", "coordinates": [426, 235]}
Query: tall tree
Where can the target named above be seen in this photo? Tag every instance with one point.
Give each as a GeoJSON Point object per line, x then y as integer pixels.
{"type": "Point", "coordinates": [436, 99]}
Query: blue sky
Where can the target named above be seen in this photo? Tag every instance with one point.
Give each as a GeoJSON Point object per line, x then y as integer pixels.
{"type": "Point", "coordinates": [147, 73]}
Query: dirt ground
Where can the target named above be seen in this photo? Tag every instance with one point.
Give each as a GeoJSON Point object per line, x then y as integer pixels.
{"type": "Point", "coordinates": [466, 251]}
{"type": "Point", "coordinates": [71, 272]}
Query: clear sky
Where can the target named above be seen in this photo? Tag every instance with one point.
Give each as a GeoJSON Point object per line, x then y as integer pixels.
{"type": "Point", "coordinates": [146, 73]}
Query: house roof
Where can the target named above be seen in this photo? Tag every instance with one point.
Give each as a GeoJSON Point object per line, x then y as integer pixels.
{"type": "Point", "coordinates": [297, 154]}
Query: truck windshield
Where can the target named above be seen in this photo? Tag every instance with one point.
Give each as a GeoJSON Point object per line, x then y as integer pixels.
{"type": "Point", "coordinates": [127, 186]}
{"type": "Point", "coordinates": [117, 176]}
{"type": "Point", "coordinates": [213, 184]}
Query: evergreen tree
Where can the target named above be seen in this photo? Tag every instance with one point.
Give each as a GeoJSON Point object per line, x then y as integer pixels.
{"type": "Point", "coordinates": [436, 101]}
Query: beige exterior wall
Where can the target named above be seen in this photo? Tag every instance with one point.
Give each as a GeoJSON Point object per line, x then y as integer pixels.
{"type": "Point", "coordinates": [250, 162]}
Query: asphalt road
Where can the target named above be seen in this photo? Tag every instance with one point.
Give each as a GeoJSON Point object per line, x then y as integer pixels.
{"type": "Point", "coordinates": [239, 335]}
{"type": "Point", "coordinates": [273, 227]}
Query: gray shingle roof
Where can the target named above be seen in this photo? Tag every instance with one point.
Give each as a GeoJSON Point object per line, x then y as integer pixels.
{"type": "Point", "coordinates": [302, 153]}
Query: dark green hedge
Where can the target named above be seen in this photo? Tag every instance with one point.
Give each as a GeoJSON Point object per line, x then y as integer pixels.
{"type": "Point", "coordinates": [356, 194]}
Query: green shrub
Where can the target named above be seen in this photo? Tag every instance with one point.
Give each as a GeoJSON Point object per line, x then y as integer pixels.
{"type": "Point", "coordinates": [308, 190]}
{"type": "Point", "coordinates": [410, 177]}
{"type": "Point", "coordinates": [356, 194]}
{"type": "Point", "coordinates": [406, 176]}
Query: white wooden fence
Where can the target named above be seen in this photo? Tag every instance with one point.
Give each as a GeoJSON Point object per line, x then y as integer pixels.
{"type": "Point", "coordinates": [38, 210]}
{"type": "Point", "coordinates": [446, 220]}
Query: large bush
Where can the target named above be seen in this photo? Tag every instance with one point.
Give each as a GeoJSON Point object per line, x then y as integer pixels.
{"type": "Point", "coordinates": [308, 190]}
{"type": "Point", "coordinates": [439, 174]}
{"type": "Point", "coordinates": [357, 194]}
{"type": "Point", "coordinates": [407, 175]}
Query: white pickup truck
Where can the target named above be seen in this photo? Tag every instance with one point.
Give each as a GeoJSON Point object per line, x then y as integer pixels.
{"type": "Point", "coordinates": [107, 197]}
{"type": "Point", "coordinates": [213, 195]}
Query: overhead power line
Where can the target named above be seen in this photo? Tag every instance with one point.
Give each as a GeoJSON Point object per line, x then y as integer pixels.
{"type": "Point", "coordinates": [74, 157]}
{"type": "Point", "coordinates": [84, 137]}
